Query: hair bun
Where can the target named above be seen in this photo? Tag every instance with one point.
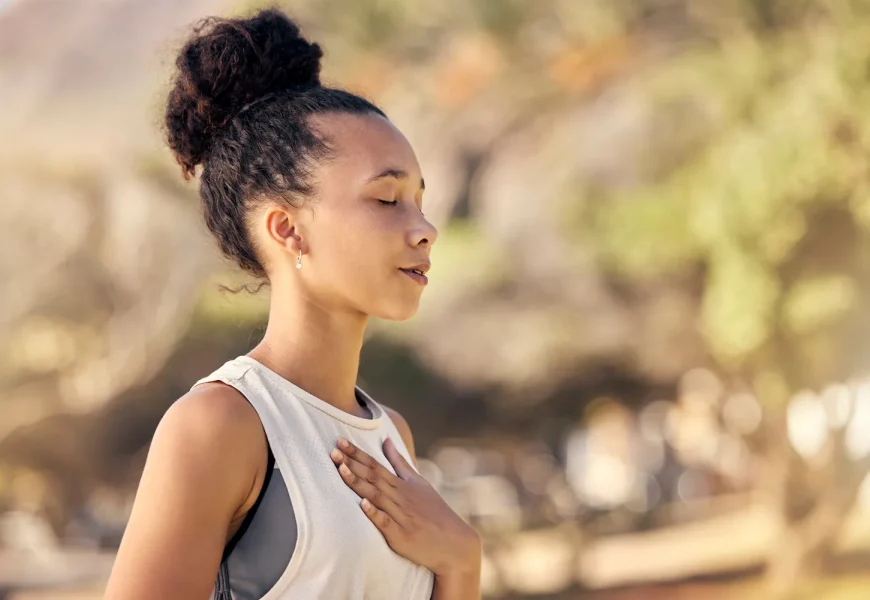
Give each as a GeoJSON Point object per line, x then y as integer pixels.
{"type": "Point", "coordinates": [227, 64]}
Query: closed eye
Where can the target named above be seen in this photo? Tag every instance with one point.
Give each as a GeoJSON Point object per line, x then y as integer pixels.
{"type": "Point", "coordinates": [389, 202]}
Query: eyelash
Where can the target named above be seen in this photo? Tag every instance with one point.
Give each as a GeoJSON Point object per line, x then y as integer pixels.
{"type": "Point", "coordinates": [394, 203]}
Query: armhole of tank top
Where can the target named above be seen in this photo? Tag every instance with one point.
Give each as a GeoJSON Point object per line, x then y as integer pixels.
{"type": "Point", "coordinates": [249, 516]}
{"type": "Point", "coordinates": [232, 381]}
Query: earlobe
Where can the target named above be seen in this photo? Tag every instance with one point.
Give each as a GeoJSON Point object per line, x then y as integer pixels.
{"type": "Point", "coordinates": [282, 229]}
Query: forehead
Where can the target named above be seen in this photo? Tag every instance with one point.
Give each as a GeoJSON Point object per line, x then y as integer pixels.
{"type": "Point", "coordinates": [367, 143]}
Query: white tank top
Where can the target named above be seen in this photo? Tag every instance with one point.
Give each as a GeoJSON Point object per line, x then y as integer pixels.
{"type": "Point", "coordinates": [339, 552]}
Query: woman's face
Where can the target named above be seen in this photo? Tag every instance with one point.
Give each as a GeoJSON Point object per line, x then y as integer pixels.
{"type": "Point", "coordinates": [364, 231]}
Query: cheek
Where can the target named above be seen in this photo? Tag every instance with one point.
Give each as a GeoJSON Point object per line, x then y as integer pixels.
{"type": "Point", "coordinates": [357, 262]}
{"type": "Point", "coordinates": [353, 248]}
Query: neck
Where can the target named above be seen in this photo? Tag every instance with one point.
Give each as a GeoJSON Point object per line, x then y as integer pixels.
{"type": "Point", "coordinates": [316, 348]}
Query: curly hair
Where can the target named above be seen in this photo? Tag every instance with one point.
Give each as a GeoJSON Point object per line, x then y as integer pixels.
{"type": "Point", "coordinates": [239, 106]}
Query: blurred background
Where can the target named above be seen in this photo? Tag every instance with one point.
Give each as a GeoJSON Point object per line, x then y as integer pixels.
{"type": "Point", "coordinates": [642, 367]}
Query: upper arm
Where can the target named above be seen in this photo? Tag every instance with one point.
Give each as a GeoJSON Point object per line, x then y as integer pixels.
{"type": "Point", "coordinates": [201, 469]}
{"type": "Point", "coordinates": [404, 430]}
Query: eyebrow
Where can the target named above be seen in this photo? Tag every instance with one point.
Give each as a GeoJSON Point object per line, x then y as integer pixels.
{"type": "Point", "coordinates": [397, 174]}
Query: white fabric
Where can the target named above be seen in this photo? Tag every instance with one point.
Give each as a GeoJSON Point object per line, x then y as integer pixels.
{"type": "Point", "coordinates": [339, 554]}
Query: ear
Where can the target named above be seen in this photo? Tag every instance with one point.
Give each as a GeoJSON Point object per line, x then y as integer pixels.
{"type": "Point", "coordinates": [281, 228]}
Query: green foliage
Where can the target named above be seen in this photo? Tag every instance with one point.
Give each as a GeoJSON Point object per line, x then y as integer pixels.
{"type": "Point", "coordinates": [789, 125]}
{"type": "Point", "coordinates": [739, 303]}
{"type": "Point", "coordinates": [813, 302]}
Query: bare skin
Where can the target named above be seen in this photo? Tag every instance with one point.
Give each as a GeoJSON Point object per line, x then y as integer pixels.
{"type": "Point", "coordinates": [207, 461]}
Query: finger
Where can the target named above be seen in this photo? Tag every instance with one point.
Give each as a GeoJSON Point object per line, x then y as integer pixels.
{"type": "Point", "coordinates": [387, 526]}
{"type": "Point", "coordinates": [372, 476]}
{"type": "Point", "coordinates": [355, 454]}
{"type": "Point", "coordinates": [402, 467]}
{"type": "Point", "coordinates": [367, 491]}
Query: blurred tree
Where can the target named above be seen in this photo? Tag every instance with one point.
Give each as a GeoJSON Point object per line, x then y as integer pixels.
{"type": "Point", "coordinates": [774, 207]}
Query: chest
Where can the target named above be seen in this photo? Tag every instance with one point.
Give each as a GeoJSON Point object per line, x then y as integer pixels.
{"type": "Point", "coordinates": [332, 526]}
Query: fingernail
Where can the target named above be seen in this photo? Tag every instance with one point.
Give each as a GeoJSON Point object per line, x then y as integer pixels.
{"type": "Point", "coordinates": [366, 504]}
{"type": "Point", "coordinates": [343, 443]}
{"type": "Point", "coordinates": [343, 468]}
{"type": "Point", "coordinates": [336, 454]}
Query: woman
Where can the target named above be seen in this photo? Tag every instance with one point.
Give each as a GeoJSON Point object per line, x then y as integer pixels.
{"type": "Point", "coordinates": [275, 475]}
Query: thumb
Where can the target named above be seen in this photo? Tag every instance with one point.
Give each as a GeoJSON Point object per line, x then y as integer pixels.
{"type": "Point", "coordinates": [403, 469]}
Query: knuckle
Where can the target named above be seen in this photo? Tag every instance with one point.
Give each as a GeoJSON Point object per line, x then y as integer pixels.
{"type": "Point", "coordinates": [377, 495]}
{"type": "Point", "coordinates": [372, 476]}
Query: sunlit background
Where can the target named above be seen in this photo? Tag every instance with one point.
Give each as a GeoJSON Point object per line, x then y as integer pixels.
{"type": "Point", "coordinates": [642, 367]}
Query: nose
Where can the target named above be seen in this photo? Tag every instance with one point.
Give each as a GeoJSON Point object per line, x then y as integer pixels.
{"type": "Point", "coordinates": [423, 233]}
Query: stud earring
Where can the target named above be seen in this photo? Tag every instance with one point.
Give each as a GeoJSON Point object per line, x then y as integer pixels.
{"type": "Point", "coordinates": [299, 260]}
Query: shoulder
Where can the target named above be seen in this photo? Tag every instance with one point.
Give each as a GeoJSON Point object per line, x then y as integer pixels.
{"type": "Point", "coordinates": [213, 414]}
{"type": "Point", "coordinates": [404, 429]}
{"type": "Point", "coordinates": [213, 431]}
{"type": "Point", "coordinates": [206, 455]}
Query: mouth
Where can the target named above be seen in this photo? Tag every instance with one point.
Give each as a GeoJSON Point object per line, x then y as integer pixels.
{"type": "Point", "coordinates": [418, 274]}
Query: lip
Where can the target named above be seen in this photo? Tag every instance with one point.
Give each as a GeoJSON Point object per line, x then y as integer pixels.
{"type": "Point", "coordinates": [423, 267]}
{"type": "Point", "coordinates": [417, 277]}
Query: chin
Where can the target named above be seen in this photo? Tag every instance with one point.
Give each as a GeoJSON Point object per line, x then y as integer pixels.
{"type": "Point", "coordinates": [398, 313]}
